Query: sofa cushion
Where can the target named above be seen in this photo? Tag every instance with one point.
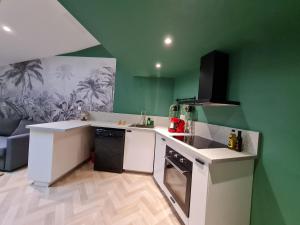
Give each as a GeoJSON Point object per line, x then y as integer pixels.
{"type": "Point", "coordinates": [21, 129]}
{"type": "Point", "coordinates": [2, 152]}
{"type": "Point", "coordinates": [3, 144]}
{"type": "Point", "coordinates": [8, 126]}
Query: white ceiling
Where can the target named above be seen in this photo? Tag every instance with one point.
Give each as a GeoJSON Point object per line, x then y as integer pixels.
{"type": "Point", "coordinates": [40, 28]}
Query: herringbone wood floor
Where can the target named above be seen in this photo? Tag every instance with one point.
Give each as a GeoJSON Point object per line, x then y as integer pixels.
{"type": "Point", "coordinates": [84, 197]}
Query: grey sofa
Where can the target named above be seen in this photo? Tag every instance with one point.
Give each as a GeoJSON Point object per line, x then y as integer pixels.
{"type": "Point", "coordinates": [14, 144]}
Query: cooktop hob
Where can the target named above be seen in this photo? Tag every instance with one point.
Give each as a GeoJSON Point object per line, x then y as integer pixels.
{"type": "Point", "coordinates": [199, 142]}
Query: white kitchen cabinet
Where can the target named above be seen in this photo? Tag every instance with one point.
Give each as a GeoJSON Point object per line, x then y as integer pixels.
{"type": "Point", "coordinates": [221, 193]}
{"type": "Point", "coordinates": [139, 150]}
{"type": "Point", "coordinates": [52, 153]}
{"type": "Point", "coordinates": [198, 194]}
{"type": "Point", "coordinates": [159, 159]}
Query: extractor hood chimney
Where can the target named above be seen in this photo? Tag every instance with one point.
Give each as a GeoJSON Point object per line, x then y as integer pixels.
{"type": "Point", "coordinates": [212, 82]}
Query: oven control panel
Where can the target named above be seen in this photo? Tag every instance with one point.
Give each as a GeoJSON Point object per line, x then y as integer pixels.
{"type": "Point", "coordinates": [178, 159]}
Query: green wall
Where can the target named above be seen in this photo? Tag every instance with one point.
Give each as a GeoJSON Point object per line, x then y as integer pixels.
{"type": "Point", "coordinates": [134, 94]}
{"type": "Point", "coordinates": [265, 78]}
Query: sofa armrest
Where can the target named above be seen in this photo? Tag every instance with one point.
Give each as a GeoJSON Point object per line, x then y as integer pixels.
{"type": "Point", "coordinates": [20, 136]}
{"type": "Point", "coordinates": [16, 151]}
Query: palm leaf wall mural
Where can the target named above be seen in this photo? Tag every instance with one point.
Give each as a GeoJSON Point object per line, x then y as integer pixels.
{"type": "Point", "coordinates": [23, 73]}
{"type": "Point", "coordinates": [92, 89]}
{"type": "Point", "coordinates": [2, 86]}
{"type": "Point", "coordinates": [55, 88]}
{"type": "Point", "coordinates": [109, 79]}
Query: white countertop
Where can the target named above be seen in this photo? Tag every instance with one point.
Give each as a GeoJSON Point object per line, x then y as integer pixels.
{"type": "Point", "coordinates": [60, 126]}
{"type": "Point", "coordinates": [207, 155]}
{"type": "Point", "coordinates": [63, 126]}
{"type": "Point", "coordinates": [117, 126]}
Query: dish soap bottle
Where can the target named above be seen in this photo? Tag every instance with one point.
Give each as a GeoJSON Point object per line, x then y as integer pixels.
{"type": "Point", "coordinates": [148, 121]}
{"type": "Point", "coordinates": [232, 139]}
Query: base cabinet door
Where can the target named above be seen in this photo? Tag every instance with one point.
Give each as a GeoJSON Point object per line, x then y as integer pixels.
{"type": "Point", "coordinates": [198, 193]}
{"type": "Point", "coordinates": [159, 159]}
{"type": "Point", "coordinates": [139, 151]}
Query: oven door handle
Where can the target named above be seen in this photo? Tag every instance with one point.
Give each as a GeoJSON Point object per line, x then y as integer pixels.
{"type": "Point", "coordinates": [176, 167]}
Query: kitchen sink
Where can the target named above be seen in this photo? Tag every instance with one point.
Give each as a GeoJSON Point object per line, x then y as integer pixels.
{"type": "Point", "coordinates": [141, 125]}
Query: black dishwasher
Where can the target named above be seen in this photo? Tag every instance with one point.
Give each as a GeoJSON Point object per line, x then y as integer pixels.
{"type": "Point", "coordinates": [109, 149]}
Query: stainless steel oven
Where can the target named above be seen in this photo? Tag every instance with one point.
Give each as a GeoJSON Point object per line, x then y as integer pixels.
{"type": "Point", "coordinates": [178, 178]}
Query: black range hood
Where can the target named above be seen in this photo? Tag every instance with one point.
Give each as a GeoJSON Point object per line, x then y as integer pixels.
{"type": "Point", "coordinates": [212, 82]}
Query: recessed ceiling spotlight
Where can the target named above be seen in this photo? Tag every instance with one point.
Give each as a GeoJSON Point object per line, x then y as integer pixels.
{"type": "Point", "coordinates": [158, 65]}
{"type": "Point", "coordinates": [6, 28]}
{"type": "Point", "coordinates": [168, 41]}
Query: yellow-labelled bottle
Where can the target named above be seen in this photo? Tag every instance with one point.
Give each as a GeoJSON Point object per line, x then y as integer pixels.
{"type": "Point", "coordinates": [232, 140]}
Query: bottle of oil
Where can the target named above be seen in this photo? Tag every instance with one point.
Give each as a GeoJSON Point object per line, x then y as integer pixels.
{"type": "Point", "coordinates": [232, 140]}
{"type": "Point", "coordinates": [239, 143]}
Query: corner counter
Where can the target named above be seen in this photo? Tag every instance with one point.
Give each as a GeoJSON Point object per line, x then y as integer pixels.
{"type": "Point", "coordinates": [57, 148]}
{"type": "Point", "coordinates": [61, 126]}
